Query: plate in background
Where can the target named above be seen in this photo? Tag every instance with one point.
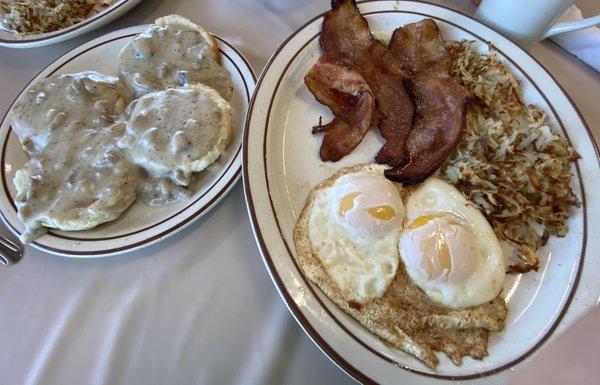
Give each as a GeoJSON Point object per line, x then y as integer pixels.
{"type": "Point", "coordinates": [118, 9]}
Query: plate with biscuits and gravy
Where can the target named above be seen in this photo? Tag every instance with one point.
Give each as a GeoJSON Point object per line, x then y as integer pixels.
{"type": "Point", "coordinates": [125, 140]}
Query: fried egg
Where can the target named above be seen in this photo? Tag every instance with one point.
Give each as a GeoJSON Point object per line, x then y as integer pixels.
{"type": "Point", "coordinates": [354, 226]}
{"type": "Point", "coordinates": [344, 241]}
{"type": "Point", "coordinates": [448, 247]}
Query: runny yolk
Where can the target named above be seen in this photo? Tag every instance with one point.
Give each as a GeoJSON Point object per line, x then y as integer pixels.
{"type": "Point", "coordinates": [383, 212]}
{"type": "Point", "coordinates": [444, 258]}
{"type": "Point", "coordinates": [420, 221]}
{"type": "Point", "coordinates": [436, 258]}
{"type": "Point", "coordinates": [445, 250]}
{"type": "Point", "coordinates": [347, 203]}
{"type": "Point", "coordinates": [436, 255]}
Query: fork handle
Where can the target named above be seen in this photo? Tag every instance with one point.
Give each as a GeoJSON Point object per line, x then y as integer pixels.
{"type": "Point", "coordinates": [10, 252]}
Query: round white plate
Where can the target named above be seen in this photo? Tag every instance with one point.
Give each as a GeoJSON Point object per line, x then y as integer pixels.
{"type": "Point", "coordinates": [118, 9]}
{"type": "Point", "coordinates": [281, 165]}
{"type": "Point", "coordinates": [140, 225]}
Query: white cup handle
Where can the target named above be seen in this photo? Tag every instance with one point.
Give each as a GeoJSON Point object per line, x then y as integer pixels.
{"type": "Point", "coordinates": [573, 26]}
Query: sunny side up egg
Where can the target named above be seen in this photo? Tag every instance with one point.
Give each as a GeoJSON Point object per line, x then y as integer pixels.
{"type": "Point", "coordinates": [354, 228]}
{"type": "Point", "coordinates": [448, 247]}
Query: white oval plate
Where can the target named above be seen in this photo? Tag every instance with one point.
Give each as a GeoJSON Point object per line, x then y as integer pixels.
{"type": "Point", "coordinates": [140, 225]}
{"type": "Point", "coordinates": [281, 165]}
{"type": "Point", "coordinates": [118, 9]}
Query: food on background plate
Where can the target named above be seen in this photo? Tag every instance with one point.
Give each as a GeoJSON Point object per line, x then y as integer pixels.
{"type": "Point", "coordinates": [91, 157]}
{"type": "Point", "coordinates": [29, 17]}
{"type": "Point", "coordinates": [366, 242]}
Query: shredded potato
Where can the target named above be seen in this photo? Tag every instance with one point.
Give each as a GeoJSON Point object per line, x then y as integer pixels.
{"type": "Point", "coordinates": [26, 17]}
{"type": "Point", "coordinates": [511, 161]}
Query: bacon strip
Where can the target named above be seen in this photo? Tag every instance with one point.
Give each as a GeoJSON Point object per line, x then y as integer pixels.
{"type": "Point", "coordinates": [441, 112]}
{"type": "Point", "coordinates": [419, 48]}
{"type": "Point", "coordinates": [349, 97]}
{"type": "Point", "coordinates": [345, 34]}
{"type": "Point", "coordinates": [440, 100]}
{"type": "Point", "coordinates": [357, 69]}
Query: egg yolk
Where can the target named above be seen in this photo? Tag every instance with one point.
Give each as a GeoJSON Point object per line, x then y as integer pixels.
{"type": "Point", "coordinates": [367, 205]}
{"type": "Point", "coordinates": [383, 212]}
{"type": "Point", "coordinates": [420, 221]}
{"type": "Point", "coordinates": [347, 203]}
{"type": "Point", "coordinates": [436, 259]}
{"type": "Point", "coordinates": [444, 249]}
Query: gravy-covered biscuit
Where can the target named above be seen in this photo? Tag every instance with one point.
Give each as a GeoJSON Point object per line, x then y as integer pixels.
{"type": "Point", "coordinates": [173, 53]}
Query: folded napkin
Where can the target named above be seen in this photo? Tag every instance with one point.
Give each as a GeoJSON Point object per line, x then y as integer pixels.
{"type": "Point", "coordinates": [584, 44]}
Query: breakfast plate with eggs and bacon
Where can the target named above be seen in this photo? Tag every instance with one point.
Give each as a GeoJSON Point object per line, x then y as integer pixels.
{"type": "Point", "coordinates": [418, 187]}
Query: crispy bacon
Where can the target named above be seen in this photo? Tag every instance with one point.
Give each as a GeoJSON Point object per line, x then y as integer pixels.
{"type": "Point", "coordinates": [396, 105]}
{"type": "Point", "coordinates": [345, 34]}
{"type": "Point", "coordinates": [440, 101]}
{"type": "Point", "coordinates": [357, 69]}
{"type": "Point", "coordinates": [349, 97]}
{"type": "Point", "coordinates": [334, 84]}
{"type": "Point", "coordinates": [419, 48]}
{"type": "Point", "coordinates": [441, 111]}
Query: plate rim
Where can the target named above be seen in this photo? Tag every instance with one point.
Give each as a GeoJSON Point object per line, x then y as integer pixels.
{"type": "Point", "coordinates": [71, 31]}
{"type": "Point", "coordinates": [231, 172]}
{"type": "Point", "coordinates": [330, 352]}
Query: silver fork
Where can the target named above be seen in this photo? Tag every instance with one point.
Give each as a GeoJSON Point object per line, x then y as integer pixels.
{"type": "Point", "coordinates": [10, 252]}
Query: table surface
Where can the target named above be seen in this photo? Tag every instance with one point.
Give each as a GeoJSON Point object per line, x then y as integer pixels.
{"type": "Point", "coordinates": [198, 307]}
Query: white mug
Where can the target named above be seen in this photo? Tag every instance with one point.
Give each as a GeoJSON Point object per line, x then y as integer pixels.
{"type": "Point", "coordinates": [528, 21]}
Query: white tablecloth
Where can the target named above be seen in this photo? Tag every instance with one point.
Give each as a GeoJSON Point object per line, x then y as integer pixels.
{"type": "Point", "coordinates": [198, 308]}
